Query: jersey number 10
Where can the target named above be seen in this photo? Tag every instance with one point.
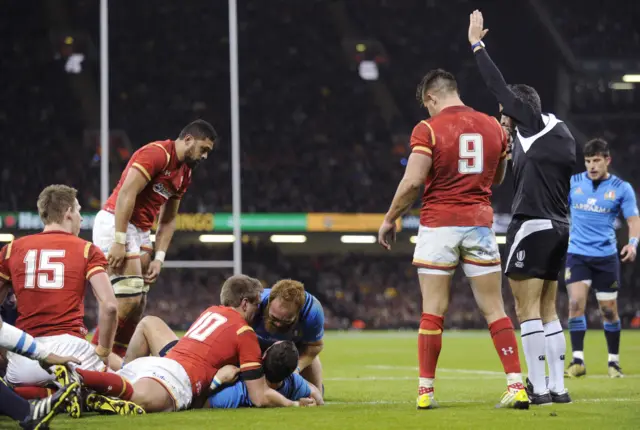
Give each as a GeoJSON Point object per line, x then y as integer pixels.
{"type": "Point", "coordinates": [205, 325]}
{"type": "Point", "coordinates": [471, 155]}
{"type": "Point", "coordinates": [54, 279]}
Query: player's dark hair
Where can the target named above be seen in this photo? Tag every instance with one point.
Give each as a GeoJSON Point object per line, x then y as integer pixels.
{"type": "Point", "coordinates": [595, 147]}
{"type": "Point", "coordinates": [200, 129]}
{"type": "Point", "coordinates": [436, 80]}
{"type": "Point", "coordinates": [528, 95]}
{"type": "Point", "coordinates": [279, 361]}
{"type": "Point", "coordinates": [239, 287]}
{"type": "Point", "coordinates": [54, 201]}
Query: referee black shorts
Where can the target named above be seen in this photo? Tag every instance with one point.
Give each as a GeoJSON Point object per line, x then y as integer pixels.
{"type": "Point", "coordinates": [536, 247]}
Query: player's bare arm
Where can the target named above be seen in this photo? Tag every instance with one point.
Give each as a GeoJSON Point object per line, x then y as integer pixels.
{"type": "Point", "coordinates": [629, 251]}
{"type": "Point", "coordinates": [501, 171]}
{"type": "Point", "coordinates": [316, 394]}
{"type": "Point", "coordinates": [264, 397]}
{"type": "Point", "coordinates": [309, 352]}
{"type": "Point", "coordinates": [408, 191]}
{"type": "Point", "coordinates": [132, 186]}
{"type": "Point", "coordinates": [107, 314]}
{"type": "Point", "coordinates": [164, 234]}
{"type": "Point", "coordinates": [512, 106]}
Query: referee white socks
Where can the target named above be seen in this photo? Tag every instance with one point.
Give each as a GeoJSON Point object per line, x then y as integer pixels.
{"type": "Point", "coordinates": [555, 347]}
{"type": "Point", "coordinates": [533, 344]}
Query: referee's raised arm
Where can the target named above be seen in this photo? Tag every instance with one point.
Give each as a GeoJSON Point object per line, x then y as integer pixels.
{"type": "Point", "coordinates": [512, 106]}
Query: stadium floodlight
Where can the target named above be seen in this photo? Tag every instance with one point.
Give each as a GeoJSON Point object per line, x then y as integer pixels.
{"type": "Point", "coordinates": [288, 238]}
{"type": "Point", "coordinates": [633, 78]}
{"type": "Point", "coordinates": [216, 238]}
{"type": "Point", "coordinates": [358, 238]}
{"type": "Point", "coordinates": [413, 239]}
{"type": "Point", "coordinates": [6, 237]}
{"type": "Point", "coordinates": [621, 86]}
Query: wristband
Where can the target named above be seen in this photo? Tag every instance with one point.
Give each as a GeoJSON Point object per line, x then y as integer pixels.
{"type": "Point", "coordinates": [101, 351]}
{"type": "Point", "coordinates": [215, 383]}
{"type": "Point", "coordinates": [477, 44]}
{"type": "Point", "coordinates": [298, 370]}
{"type": "Point", "coordinates": [121, 238]}
{"type": "Point", "coordinates": [160, 256]}
{"type": "Point", "coordinates": [633, 241]}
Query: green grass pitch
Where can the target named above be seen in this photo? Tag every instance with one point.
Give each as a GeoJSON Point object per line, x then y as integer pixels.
{"type": "Point", "coordinates": [371, 383]}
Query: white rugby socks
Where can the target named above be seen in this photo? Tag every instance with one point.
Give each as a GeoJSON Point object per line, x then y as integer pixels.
{"type": "Point", "coordinates": [533, 344]}
{"type": "Point", "coordinates": [555, 348]}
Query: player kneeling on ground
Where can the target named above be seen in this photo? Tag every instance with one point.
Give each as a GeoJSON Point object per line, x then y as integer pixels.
{"type": "Point", "coordinates": [288, 312]}
{"type": "Point", "coordinates": [220, 336]}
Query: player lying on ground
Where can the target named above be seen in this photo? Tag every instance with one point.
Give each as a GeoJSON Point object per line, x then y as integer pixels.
{"type": "Point", "coordinates": [154, 337]}
{"type": "Point", "coordinates": [457, 154]}
{"type": "Point", "coordinates": [220, 336]}
{"type": "Point", "coordinates": [596, 199]}
{"type": "Point", "coordinates": [288, 312]}
{"type": "Point", "coordinates": [48, 272]}
{"type": "Point", "coordinates": [34, 414]}
{"type": "Point", "coordinates": [150, 188]}
{"type": "Point", "coordinates": [543, 159]}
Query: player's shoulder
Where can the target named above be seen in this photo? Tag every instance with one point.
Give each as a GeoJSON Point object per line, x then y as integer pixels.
{"type": "Point", "coordinates": [311, 308]}
{"type": "Point", "coordinates": [578, 178]}
{"type": "Point", "coordinates": [264, 297]}
{"type": "Point", "coordinates": [163, 147]}
{"type": "Point", "coordinates": [235, 321]}
{"type": "Point", "coordinates": [619, 183]}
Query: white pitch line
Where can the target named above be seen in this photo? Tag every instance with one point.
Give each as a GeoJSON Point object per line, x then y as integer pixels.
{"type": "Point", "coordinates": [403, 402]}
{"type": "Point", "coordinates": [406, 378]}
{"type": "Point", "coordinates": [475, 372]}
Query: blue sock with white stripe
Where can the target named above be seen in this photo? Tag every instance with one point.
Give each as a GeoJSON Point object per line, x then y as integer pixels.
{"type": "Point", "coordinates": [577, 330]}
{"type": "Point", "coordinates": [16, 340]}
{"type": "Point", "coordinates": [612, 334]}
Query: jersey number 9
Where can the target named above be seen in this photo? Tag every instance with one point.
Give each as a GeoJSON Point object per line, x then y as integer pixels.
{"type": "Point", "coordinates": [471, 157]}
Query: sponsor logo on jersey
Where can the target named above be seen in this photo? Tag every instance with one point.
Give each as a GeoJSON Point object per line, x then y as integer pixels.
{"type": "Point", "coordinates": [591, 206]}
{"type": "Point", "coordinates": [160, 189]}
{"type": "Point", "coordinates": [166, 172]}
{"type": "Point", "coordinates": [579, 191]}
{"type": "Point", "coordinates": [610, 195]}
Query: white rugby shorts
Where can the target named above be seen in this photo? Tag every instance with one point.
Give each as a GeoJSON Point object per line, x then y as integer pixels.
{"type": "Point", "coordinates": [169, 373]}
{"type": "Point", "coordinates": [104, 231]}
{"type": "Point", "coordinates": [24, 371]}
{"type": "Point", "coordinates": [439, 250]}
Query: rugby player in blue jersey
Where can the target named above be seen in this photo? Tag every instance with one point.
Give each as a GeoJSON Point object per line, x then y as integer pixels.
{"type": "Point", "coordinates": [596, 199]}
{"type": "Point", "coordinates": [288, 312]}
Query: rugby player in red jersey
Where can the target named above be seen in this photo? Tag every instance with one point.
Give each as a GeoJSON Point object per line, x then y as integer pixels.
{"type": "Point", "coordinates": [220, 336]}
{"type": "Point", "coordinates": [48, 272]}
{"type": "Point", "coordinates": [457, 155]}
{"type": "Point", "coordinates": [150, 188]}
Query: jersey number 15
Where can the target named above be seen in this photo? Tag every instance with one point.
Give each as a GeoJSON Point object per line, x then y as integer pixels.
{"type": "Point", "coordinates": [54, 278]}
{"type": "Point", "coordinates": [471, 158]}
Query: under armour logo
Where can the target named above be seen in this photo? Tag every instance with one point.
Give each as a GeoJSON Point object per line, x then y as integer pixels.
{"type": "Point", "coordinates": [507, 351]}
{"type": "Point", "coordinates": [109, 388]}
{"type": "Point", "coordinates": [541, 357]}
{"type": "Point", "coordinates": [562, 357]}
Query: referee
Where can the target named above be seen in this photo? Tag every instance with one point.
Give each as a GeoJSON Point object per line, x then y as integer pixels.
{"type": "Point", "coordinates": [543, 159]}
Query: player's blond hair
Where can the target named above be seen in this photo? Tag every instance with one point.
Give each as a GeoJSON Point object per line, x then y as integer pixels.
{"type": "Point", "coordinates": [54, 201]}
{"type": "Point", "coordinates": [239, 287]}
{"type": "Point", "coordinates": [289, 291]}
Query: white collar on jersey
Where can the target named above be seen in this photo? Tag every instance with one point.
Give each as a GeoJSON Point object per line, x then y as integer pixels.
{"type": "Point", "coordinates": [549, 120]}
